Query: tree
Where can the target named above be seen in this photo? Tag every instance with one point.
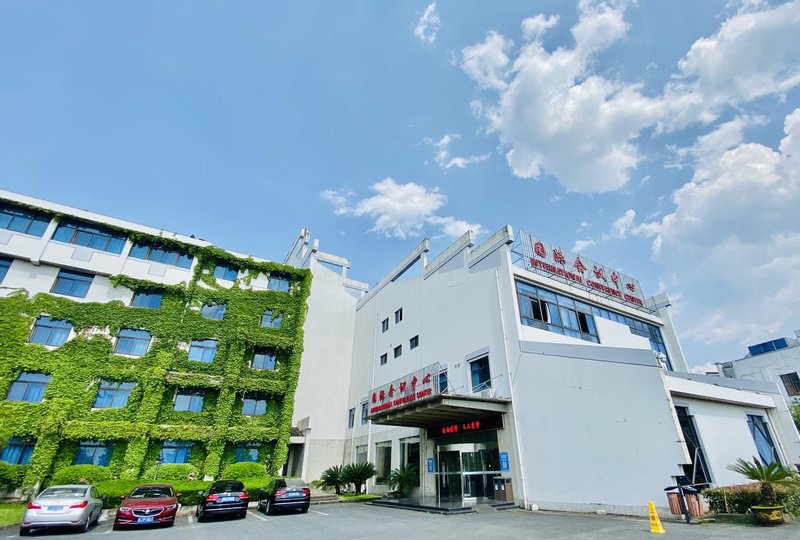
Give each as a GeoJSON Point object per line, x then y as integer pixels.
{"type": "Point", "coordinates": [404, 478]}
{"type": "Point", "coordinates": [358, 473]}
{"type": "Point", "coordinates": [333, 477]}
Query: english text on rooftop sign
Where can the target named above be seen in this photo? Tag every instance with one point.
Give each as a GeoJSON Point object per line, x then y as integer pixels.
{"type": "Point", "coordinates": [543, 257]}
{"type": "Point", "coordinates": [419, 385]}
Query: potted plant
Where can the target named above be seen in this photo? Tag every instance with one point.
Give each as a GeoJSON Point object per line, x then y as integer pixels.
{"type": "Point", "coordinates": [769, 512]}
{"type": "Point", "coordinates": [404, 478]}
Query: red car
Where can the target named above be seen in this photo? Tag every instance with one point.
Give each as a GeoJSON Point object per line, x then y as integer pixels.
{"type": "Point", "coordinates": [148, 504]}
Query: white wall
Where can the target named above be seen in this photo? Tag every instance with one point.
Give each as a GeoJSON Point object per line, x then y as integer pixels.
{"type": "Point", "coordinates": [769, 367]}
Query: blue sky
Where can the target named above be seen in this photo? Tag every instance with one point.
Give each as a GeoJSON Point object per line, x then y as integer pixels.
{"type": "Point", "coordinates": [659, 138]}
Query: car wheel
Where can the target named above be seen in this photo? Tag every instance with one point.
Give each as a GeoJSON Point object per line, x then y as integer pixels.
{"type": "Point", "coordinates": [267, 507]}
{"type": "Point", "coordinates": [199, 514]}
{"type": "Point", "coordinates": [243, 515]}
{"type": "Point", "coordinates": [304, 509]}
{"type": "Point", "coordinates": [97, 518]}
{"type": "Point", "coordinates": [24, 531]}
{"type": "Point", "coordinates": [171, 522]}
{"type": "Point", "coordinates": [85, 527]}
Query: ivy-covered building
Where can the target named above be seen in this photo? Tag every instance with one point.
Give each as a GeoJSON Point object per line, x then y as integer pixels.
{"type": "Point", "coordinates": [123, 345]}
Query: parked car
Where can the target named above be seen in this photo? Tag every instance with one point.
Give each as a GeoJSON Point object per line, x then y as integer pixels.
{"type": "Point", "coordinates": [148, 504]}
{"type": "Point", "coordinates": [223, 497]}
{"type": "Point", "coordinates": [290, 493]}
{"type": "Point", "coordinates": [62, 506]}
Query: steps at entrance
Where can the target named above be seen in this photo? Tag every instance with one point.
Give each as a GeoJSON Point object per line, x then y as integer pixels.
{"type": "Point", "coordinates": [319, 496]}
{"type": "Point", "coordinates": [422, 507]}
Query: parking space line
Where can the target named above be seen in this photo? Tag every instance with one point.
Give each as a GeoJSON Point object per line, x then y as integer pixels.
{"type": "Point", "coordinates": [257, 516]}
{"type": "Point", "coordinates": [318, 512]}
{"type": "Point", "coordinates": [191, 520]}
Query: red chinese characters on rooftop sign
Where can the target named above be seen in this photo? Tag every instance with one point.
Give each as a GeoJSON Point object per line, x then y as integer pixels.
{"type": "Point", "coordinates": [415, 386]}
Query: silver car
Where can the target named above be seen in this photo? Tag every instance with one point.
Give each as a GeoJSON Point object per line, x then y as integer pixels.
{"type": "Point", "coordinates": [63, 506]}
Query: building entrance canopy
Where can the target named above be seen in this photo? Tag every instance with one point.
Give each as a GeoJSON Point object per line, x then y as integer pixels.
{"type": "Point", "coordinates": [441, 409]}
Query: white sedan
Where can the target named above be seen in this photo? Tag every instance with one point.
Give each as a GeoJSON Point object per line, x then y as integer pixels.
{"type": "Point", "coordinates": [63, 506]}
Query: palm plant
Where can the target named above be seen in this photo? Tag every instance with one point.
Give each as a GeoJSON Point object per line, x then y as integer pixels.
{"type": "Point", "coordinates": [404, 478]}
{"type": "Point", "coordinates": [769, 476]}
{"type": "Point", "coordinates": [333, 477]}
{"type": "Point", "coordinates": [358, 473]}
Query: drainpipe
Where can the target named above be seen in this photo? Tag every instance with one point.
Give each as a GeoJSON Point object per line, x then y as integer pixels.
{"type": "Point", "coordinates": [371, 386]}
{"type": "Point", "coordinates": [511, 391]}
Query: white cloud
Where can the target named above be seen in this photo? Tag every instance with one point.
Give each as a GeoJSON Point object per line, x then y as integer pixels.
{"type": "Point", "coordinates": [428, 25]}
{"type": "Point", "coordinates": [400, 210]}
{"type": "Point", "coordinates": [702, 369]}
{"type": "Point", "coordinates": [443, 158]}
{"type": "Point", "coordinates": [623, 224]}
{"type": "Point", "coordinates": [580, 245]}
{"type": "Point", "coordinates": [487, 63]}
{"type": "Point", "coordinates": [732, 245]}
{"type": "Point", "coordinates": [534, 27]}
{"type": "Point", "coordinates": [584, 225]}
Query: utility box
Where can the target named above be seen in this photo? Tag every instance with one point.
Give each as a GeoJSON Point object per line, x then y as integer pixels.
{"type": "Point", "coordinates": [502, 489]}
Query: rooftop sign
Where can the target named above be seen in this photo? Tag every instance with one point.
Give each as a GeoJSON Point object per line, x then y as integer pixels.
{"type": "Point", "coordinates": [419, 385]}
{"type": "Point", "coordinates": [542, 257]}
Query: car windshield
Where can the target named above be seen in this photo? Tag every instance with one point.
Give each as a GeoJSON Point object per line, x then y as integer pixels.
{"type": "Point", "coordinates": [63, 492]}
{"type": "Point", "coordinates": [226, 486]}
{"type": "Point", "coordinates": [151, 492]}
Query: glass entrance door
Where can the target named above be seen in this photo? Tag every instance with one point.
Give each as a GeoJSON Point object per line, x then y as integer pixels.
{"type": "Point", "coordinates": [467, 469]}
{"type": "Point", "coordinates": [449, 481]}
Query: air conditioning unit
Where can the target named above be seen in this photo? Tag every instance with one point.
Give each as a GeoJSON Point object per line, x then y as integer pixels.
{"type": "Point", "coordinates": [487, 394]}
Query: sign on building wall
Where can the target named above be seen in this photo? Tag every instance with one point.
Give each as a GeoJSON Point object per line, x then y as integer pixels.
{"type": "Point", "coordinates": [464, 426]}
{"type": "Point", "coordinates": [419, 385]}
{"type": "Point", "coordinates": [542, 257]}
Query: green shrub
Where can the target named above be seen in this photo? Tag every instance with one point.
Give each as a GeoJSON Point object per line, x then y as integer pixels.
{"type": "Point", "coordinates": [244, 469]}
{"type": "Point", "coordinates": [358, 474]}
{"type": "Point", "coordinates": [11, 475]}
{"type": "Point", "coordinates": [738, 499]}
{"type": "Point", "coordinates": [171, 471]}
{"type": "Point", "coordinates": [333, 477]}
{"type": "Point", "coordinates": [81, 474]}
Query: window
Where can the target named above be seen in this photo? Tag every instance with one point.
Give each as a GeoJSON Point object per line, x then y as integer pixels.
{"type": "Point", "coordinates": [48, 332]}
{"type": "Point", "coordinates": [188, 400]}
{"type": "Point", "coordinates": [792, 383]}
{"type": "Point", "coordinates": [72, 284]}
{"type": "Point", "coordinates": [479, 373]}
{"type": "Point", "coordinates": [23, 221]}
{"type": "Point", "coordinates": [5, 264]}
{"type": "Point", "coordinates": [113, 395]}
{"type": "Point", "coordinates": [398, 315]}
{"type": "Point", "coordinates": [82, 234]}
{"type": "Point", "coordinates": [132, 342]}
{"type": "Point", "coordinates": [28, 387]}
{"type": "Point", "coordinates": [398, 351]}
{"type": "Point", "coordinates": [17, 451]}
{"type": "Point", "coordinates": [384, 358]}
{"type": "Point", "coordinates": [443, 382]}
{"type": "Point", "coordinates": [760, 432]}
{"type": "Point", "coordinates": [364, 412]}
{"type": "Point", "coordinates": [351, 418]}
{"type": "Point", "coordinates": [246, 452]}
{"type": "Point", "coordinates": [175, 452]}
{"type": "Point", "coordinates": [147, 298]}
{"type": "Point", "coordinates": [254, 405]}
{"type": "Point", "coordinates": [556, 313]}
{"type": "Point", "coordinates": [203, 350]}
{"type": "Point", "coordinates": [383, 461]}
{"type": "Point", "coordinates": [278, 282]}
{"type": "Point", "coordinates": [213, 311]}
{"type": "Point", "coordinates": [696, 471]}
{"type": "Point", "coordinates": [93, 453]}
{"type": "Point", "coordinates": [361, 454]}
{"type": "Point", "coordinates": [271, 320]}
{"type": "Point", "coordinates": [409, 451]}
{"type": "Point", "coordinates": [158, 254]}
{"type": "Point", "coordinates": [263, 359]}
{"type": "Point", "coordinates": [413, 343]}
{"type": "Point", "coordinates": [384, 325]}
{"type": "Point", "coordinates": [223, 271]}
{"type": "Point", "coordinates": [768, 346]}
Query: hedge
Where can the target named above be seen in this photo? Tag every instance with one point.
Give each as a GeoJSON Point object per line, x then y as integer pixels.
{"type": "Point", "coordinates": [243, 470]}
{"type": "Point", "coordinates": [171, 471]}
{"type": "Point", "coordinates": [81, 474]}
{"type": "Point", "coordinates": [11, 475]}
{"type": "Point", "coordinates": [738, 499]}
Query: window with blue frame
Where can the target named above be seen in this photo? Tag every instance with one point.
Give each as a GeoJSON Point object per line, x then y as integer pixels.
{"type": "Point", "coordinates": [28, 387]}
{"type": "Point", "coordinates": [246, 452]}
{"type": "Point", "coordinates": [175, 452]}
{"type": "Point", "coordinates": [223, 271]}
{"type": "Point", "coordinates": [147, 298]}
{"type": "Point", "coordinates": [189, 400]}
{"type": "Point", "coordinates": [254, 405]}
{"type": "Point", "coordinates": [5, 264]}
{"type": "Point", "coordinates": [278, 282]}
{"type": "Point", "coordinates": [761, 436]}
{"type": "Point", "coordinates": [91, 236]}
{"type": "Point", "coordinates": [23, 221]}
{"type": "Point", "coordinates": [132, 342]}
{"type": "Point", "coordinates": [480, 374]}
{"type": "Point", "coordinates": [443, 382]}
{"type": "Point", "coordinates": [50, 332]}
{"type": "Point", "coordinates": [271, 320]}
{"type": "Point", "coordinates": [263, 359]}
{"type": "Point", "coordinates": [213, 311]}
{"type": "Point", "coordinates": [203, 350]}
{"type": "Point", "coordinates": [71, 283]}
{"type": "Point", "coordinates": [93, 453]}
{"type": "Point", "coordinates": [159, 254]}
{"type": "Point", "coordinates": [17, 451]}
{"type": "Point", "coordinates": [113, 395]}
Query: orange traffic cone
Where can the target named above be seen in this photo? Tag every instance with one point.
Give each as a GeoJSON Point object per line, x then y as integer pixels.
{"type": "Point", "coordinates": [655, 522]}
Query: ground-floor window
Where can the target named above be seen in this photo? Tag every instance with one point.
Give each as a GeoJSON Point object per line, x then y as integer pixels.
{"type": "Point", "coordinates": [17, 451]}
{"type": "Point", "coordinates": [409, 451]}
{"type": "Point", "coordinates": [697, 472]}
{"type": "Point", "coordinates": [383, 461]}
{"type": "Point", "coordinates": [93, 453]}
{"type": "Point", "coordinates": [175, 452]}
{"type": "Point", "coordinates": [361, 454]}
{"type": "Point", "coordinates": [246, 452]}
{"type": "Point", "coordinates": [761, 436]}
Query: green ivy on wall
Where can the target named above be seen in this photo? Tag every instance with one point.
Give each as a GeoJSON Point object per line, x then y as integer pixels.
{"type": "Point", "coordinates": [137, 431]}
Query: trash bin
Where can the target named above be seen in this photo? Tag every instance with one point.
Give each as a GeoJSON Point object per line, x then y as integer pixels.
{"type": "Point", "coordinates": [502, 489]}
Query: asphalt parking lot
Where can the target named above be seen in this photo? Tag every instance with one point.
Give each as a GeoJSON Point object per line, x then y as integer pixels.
{"type": "Point", "coordinates": [362, 521]}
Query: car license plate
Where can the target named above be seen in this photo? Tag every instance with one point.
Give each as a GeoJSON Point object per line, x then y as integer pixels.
{"type": "Point", "coordinates": [54, 508]}
{"type": "Point", "coordinates": [228, 499]}
{"type": "Point", "coordinates": [145, 519]}
{"type": "Point", "coordinates": [295, 494]}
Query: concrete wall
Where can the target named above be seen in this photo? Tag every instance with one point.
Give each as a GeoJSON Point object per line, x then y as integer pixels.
{"type": "Point", "coordinates": [768, 367]}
